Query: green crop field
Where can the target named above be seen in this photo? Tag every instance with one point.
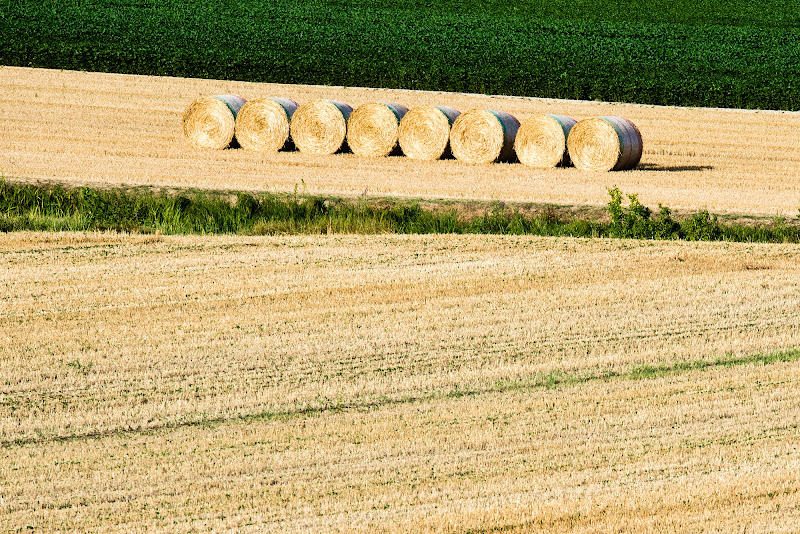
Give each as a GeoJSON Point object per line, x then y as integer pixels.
{"type": "Point", "coordinates": [703, 53]}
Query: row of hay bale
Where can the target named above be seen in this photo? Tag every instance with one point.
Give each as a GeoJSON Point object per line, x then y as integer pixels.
{"type": "Point", "coordinates": [424, 132]}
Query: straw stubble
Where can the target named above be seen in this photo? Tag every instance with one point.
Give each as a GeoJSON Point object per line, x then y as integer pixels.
{"type": "Point", "coordinates": [373, 129]}
{"type": "Point", "coordinates": [263, 124]}
{"type": "Point", "coordinates": [484, 136]}
{"type": "Point", "coordinates": [210, 121]}
{"type": "Point", "coordinates": [605, 144]}
{"type": "Point", "coordinates": [731, 161]}
{"type": "Point", "coordinates": [425, 132]}
{"type": "Point", "coordinates": [320, 126]}
{"type": "Point", "coordinates": [542, 141]}
{"type": "Point", "coordinates": [362, 383]}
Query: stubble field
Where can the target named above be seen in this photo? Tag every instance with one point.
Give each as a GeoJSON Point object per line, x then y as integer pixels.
{"type": "Point", "coordinates": [397, 383]}
{"type": "Point", "coordinates": [89, 128]}
{"type": "Point", "coordinates": [394, 383]}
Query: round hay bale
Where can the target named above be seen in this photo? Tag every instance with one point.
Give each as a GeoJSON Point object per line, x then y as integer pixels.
{"type": "Point", "coordinates": [542, 141]}
{"type": "Point", "coordinates": [425, 132]}
{"type": "Point", "coordinates": [320, 126]}
{"type": "Point", "coordinates": [210, 121]}
{"type": "Point", "coordinates": [484, 136]}
{"type": "Point", "coordinates": [263, 124]}
{"type": "Point", "coordinates": [373, 129]}
{"type": "Point", "coordinates": [605, 144]}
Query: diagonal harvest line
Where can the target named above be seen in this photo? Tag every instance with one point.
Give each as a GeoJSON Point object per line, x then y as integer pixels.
{"type": "Point", "coordinates": [536, 382]}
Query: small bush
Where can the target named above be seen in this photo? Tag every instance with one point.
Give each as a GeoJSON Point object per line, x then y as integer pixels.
{"type": "Point", "coordinates": [701, 227]}
{"type": "Point", "coordinates": [635, 221]}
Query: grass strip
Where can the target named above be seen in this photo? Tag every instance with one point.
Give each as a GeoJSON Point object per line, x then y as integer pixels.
{"type": "Point", "coordinates": [58, 208]}
{"type": "Point", "coordinates": [554, 379]}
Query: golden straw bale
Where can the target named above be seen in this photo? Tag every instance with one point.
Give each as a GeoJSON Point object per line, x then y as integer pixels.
{"type": "Point", "coordinates": [320, 126]}
{"type": "Point", "coordinates": [425, 132]}
{"type": "Point", "coordinates": [263, 124]}
{"type": "Point", "coordinates": [605, 144]}
{"type": "Point", "coordinates": [542, 141]}
{"type": "Point", "coordinates": [373, 129]}
{"type": "Point", "coordinates": [210, 121]}
{"type": "Point", "coordinates": [484, 136]}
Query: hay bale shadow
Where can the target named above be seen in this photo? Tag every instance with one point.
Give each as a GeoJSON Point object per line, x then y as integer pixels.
{"type": "Point", "coordinates": [673, 168]}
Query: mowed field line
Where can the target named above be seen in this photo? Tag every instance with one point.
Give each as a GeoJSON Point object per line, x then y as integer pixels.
{"type": "Point", "coordinates": [89, 128]}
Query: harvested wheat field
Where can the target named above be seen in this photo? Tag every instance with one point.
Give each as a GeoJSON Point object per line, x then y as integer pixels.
{"type": "Point", "coordinates": [88, 128]}
{"type": "Point", "coordinates": [397, 384]}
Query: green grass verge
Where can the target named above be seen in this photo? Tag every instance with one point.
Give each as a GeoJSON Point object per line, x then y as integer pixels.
{"type": "Point", "coordinates": [736, 53]}
{"type": "Point", "coordinates": [556, 379]}
{"type": "Point", "coordinates": [57, 208]}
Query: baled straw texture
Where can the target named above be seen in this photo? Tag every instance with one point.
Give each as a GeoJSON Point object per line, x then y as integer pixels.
{"type": "Point", "coordinates": [425, 132]}
{"type": "Point", "coordinates": [605, 144]}
{"type": "Point", "coordinates": [210, 121]}
{"type": "Point", "coordinates": [484, 136]}
{"type": "Point", "coordinates": [263, 124]}
{"type": "Point", "coordinates": [320, 126]}
{"type": "Point", "coordinates": [542, 141]}
{"type": "Point", "coordinates": [373, 129]}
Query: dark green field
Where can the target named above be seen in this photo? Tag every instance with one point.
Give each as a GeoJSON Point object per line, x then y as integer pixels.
{"type": "Point", "coordinates": [701, 53]}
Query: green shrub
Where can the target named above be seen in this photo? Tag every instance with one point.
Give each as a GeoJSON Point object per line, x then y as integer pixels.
{"type": "Point", "coordinates": [635, 221]}
{"type": "Point", "coordinates": [701, 227]}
